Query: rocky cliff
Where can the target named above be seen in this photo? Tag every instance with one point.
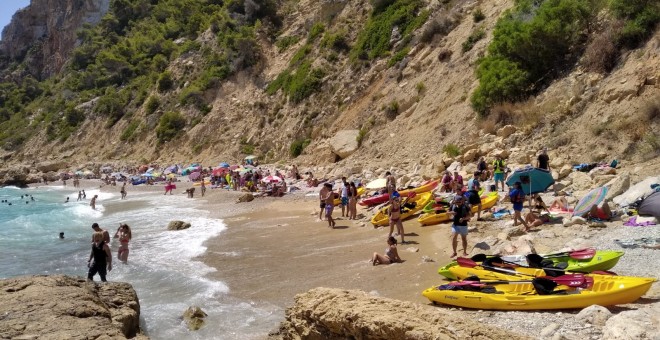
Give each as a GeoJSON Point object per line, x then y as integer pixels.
{"type": "Point", "coordinates": [413, 114]}
{"type": "Point", "coordinates": [328, 313]}
{"type": "Point", "coordinates": [43, 34]}
{"type": "Point", "coordinates": [64, 307]}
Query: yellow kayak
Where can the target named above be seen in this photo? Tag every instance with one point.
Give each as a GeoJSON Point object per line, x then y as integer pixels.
{"type": "Point", "coordinates": [360, 192]}
{"type": "Point", "coordinates": [431, 218]}
{"type": "Point", "coordinates": [197, 184]}
{"type": "Point", "coordinates": [606, 290]}
{"type": "Point", "coordinates": [381, 218]}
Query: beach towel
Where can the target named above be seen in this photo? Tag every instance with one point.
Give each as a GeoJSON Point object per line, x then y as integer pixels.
{"type": "Point", "coordinates": [637, 221]}
{"type": "Point", "coordinates": [501, 213]}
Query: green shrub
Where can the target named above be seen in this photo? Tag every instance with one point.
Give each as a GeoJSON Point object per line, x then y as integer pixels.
{"type": "Point", "coordinates": [169, 126]}
{"type": "Point", "coordinates": [152, 105]}
{"type": "Point", "coordinates": [451, 150]}
{"type": "Point", "coordinates": [165, 81]}
{"type": "Point", "coordinates": [500, 80]}
{"type": "Point", "coordinates": [128, 134]}
{"type": "Point", "coordinates": [361, 135]}
{"type": "Point", "coordinates": [280, 82]}
{"type": "Point", "coordinates": [336, 41]}
{"type": "Point", "coordinates": [398, 56]}
{"type": "Point", "coordinates": [374, 40]}
{"type": "Point", "coordinates": [529, 48]}
{"type": "Point", "coordinates": [472, 39]}
{"type": "Point", "coordinates": [300, 55]}
{"type": "Point", "coordinates": [392, 109]}
{"type": "Point", "coordinates": [284, 42]}
{"type": "Point", "coordinates": [315, 31]}
{"type": "Point", "coordinates": [478, 15]}
{"type": "Point", "coordinates": [298, 146]}
{"type": "Point", "coordinates": [641, 17]}
{"type": "Point", "coordinates": [421, 87]}
{"type": "Point", "coordinates": [304, 82]}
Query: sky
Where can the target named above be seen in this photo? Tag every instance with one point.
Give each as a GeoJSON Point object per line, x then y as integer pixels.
{"type": "Point", "coordinates": [8, 8]}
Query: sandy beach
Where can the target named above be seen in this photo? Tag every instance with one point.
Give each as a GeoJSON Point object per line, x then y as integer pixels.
{"type": "Point", "coordinates": [275, 248]}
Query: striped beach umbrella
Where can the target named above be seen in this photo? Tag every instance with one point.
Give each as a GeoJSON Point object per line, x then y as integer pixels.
{"type": "Point", "coordinates": [592, 198]}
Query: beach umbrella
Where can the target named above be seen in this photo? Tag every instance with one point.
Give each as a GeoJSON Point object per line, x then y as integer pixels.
{"type": "Point", "coordinates": [248, 166]}
{"type": "Point", "coordinates": [156, 174]}
{"type": "Point", "coordinates": [150, 170]}
{"type": "Point", "coordinates": [377, 184]}
{"type": "Point", "coordinates": [79, 173]}
{"type": "Point", "coordinates": [219, 171]}
{"type": "Point", "coordinates": [234, 167]}
{"type": "Point", "coordinates": [534, 180]}
{"type": "Point", "coordinates": [251, 157]}
{"type": "Point", "coordinates": [147, 174]}
{"type": "Point", "coordinates": [224, 165]}
{"type": "Point", "coordinates": [87, 173]}
{"type": "Point", "coordinates": [195, 175]}
{"type": "Point", "coordinates": [592, 198]}
{"type": "Point", "coordinates": [271, 179]}
{"type": "Point", "coordinates": [171, 176]}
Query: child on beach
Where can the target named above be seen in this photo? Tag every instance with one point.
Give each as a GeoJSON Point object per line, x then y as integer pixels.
{"type": "Point", "coordinates": [102, 258]}
{"type": "Point", "coordinates": [391, 254]}
{"type": "Point", "coordinates": [329, 204]}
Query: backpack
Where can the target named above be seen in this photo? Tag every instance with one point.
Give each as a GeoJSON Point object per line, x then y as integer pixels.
{"type": "Point", "coordinates": [498, 165]}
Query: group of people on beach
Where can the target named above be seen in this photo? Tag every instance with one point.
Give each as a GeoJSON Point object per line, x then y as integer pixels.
{"type": "Point", "coordinates": [348, 197]}
{"type": "Point", "coordinates": [100, 257]}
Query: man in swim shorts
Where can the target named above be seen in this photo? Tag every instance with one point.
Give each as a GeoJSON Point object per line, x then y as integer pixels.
{"type": "Point", "coordinates": [329, 205]}
{"type": "Point", "coordinates": [344, 196]}
{"type": "Point", "coordinates": [498, 171]}
{"type": "Point", "coordinates": [322, 193]}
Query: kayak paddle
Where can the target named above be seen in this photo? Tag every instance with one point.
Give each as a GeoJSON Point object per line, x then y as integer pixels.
{"type": "Point", "coordinates": [570, 280]}
{"type": "Point", "coordinates": [581, 254]}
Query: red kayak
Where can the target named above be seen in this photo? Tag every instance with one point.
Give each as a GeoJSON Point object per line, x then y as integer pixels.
{"type": "Point", "coordinates": [382, 198]}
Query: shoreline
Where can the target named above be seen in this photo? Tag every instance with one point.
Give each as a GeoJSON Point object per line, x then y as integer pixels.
{"type": "Point", "coordinates": [275, 248]}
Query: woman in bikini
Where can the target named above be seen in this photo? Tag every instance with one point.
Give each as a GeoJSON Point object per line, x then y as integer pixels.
{"type": "Point", "coordinates": [395, 216]}
{"type": "Point", "coordinates": [124, 235]}
{"type": "Point", "coordinates": [391, 255]}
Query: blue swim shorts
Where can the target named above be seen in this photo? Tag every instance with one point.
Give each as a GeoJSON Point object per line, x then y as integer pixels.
{"type": "Point", "coordinates": [459, 229]}
{"type": "Point", "coordinates": [344, 201]}
{"type": "Point", "coordinates": [498, 177]}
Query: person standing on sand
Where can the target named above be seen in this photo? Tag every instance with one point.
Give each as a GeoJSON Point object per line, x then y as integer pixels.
{"type": "Point", "coordinates": [329, 205]}
{"type": "Point", "coordinates": [395, 216]}
{"type": "Point", "coordinates": [124, 235]}
{"type": "Point", "coordinates": [344, 197]}
{"type": "Point", "coordinates": [97, 229]}
{"type": "Point", "coordinates": [123, 191]}
{"type": "Point", "coordinates": [517, 197]}
{"type": "Point", "coordinates": [461, 215]}
{"type": "Point", "coordinates": [102, 257]}
{"type": "Point", "coordinates": [352, 201]}
{"type": "Point", "coordinates": [203, 188]}
{"type": "Point", "coordinates": [498, 171]}
{"type": "Point", "coordinates": [390, 183]}
{"type": "Point", "coordinates": [92, 203]}
{"type": "Point", "coordinates": [322, 193]}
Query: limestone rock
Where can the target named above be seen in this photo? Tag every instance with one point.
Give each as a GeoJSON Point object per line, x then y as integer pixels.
{"type": "Point", "coordinates": [506, 131]}
{"type": "Point", "coordinates": [565, 171]}
{"type": "Point", "coordinates": [344, 143]}
{"type": "Point", "coordinates": [329, 313]}
{"type": "Point", "coordinates": [636, 191]}
{"type": "Point", "coordinates": [65, 307]}
{"type": "Point", "coordinates": [499, 152]}
{"type": "Point", "coordinates": [247, 197]}
{"type": "Point", "coordinates": [594, 314]}
{"type": "Point", "coordinates": [580, 181]}
{"type": "Point", "coordinates": [194, 317]}
{"type": "Point", "coordinates": [470, 155]}
{"type": "Point", "coordinates": [178, 225]}
{"type": "Point", "coordinates": [618, 186]}
{"type": "Point", "coordinates": [16, 175]}
{"type": "Point", "coordinates": [549, 330]}
{"type": "Point", "coordinates": [634, 324]}
{"type": "Point", "coordinates": [51, 166]}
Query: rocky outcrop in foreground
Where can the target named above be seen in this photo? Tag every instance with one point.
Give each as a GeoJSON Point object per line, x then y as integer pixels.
{"type": "Point", "coordinates": [328, 313]}
{"type": "Point", "coordinates": [64, 307]}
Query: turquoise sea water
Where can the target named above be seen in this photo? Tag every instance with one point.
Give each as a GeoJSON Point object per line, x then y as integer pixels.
{"type": "Point", "coordinates": [160, 265]}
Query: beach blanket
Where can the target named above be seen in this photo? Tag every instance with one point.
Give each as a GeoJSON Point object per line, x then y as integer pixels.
{"type": "Point", "coordinates": [651, 243]}
{"type": "Point", "coordinates": [501, 213]}
{"type": "Point", "coordinates": [638, 221]}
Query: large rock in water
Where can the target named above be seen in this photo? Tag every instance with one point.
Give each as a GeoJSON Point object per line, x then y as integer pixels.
{"type": "Point", "coordinates": [178, 225]}
{"type": "Point", "coordinates": [329, 313]}
{"type": "Point", "coordinates": [65, 307]}
{"type": "Point", "coordinates": [194, 317]}
{"type": "Point", "coordinates": [344, 143]}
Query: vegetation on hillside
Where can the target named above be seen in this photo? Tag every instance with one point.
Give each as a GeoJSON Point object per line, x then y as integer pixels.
{"type": "Point", "coordinates": [537, 40]}
{"type": "Point", "coordinates": [125, 59]}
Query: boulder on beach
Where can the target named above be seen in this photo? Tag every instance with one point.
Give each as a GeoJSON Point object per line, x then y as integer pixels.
{"type": "Point", "coordinates": [66, 307]}
{"type": "Point", "coordinates": [248, 197]}
{"type": "Point", "coordinates": [178, 225]}
{"type": "Point", "coordinates": [344, 143]}
{"type": "Point", "coordinates": [330, 313]}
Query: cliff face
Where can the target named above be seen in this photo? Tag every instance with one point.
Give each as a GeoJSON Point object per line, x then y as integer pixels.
{"type": "Point", "coordinates": [64, 307]}
{"type": "Point", "coordinates": [44, 33]}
